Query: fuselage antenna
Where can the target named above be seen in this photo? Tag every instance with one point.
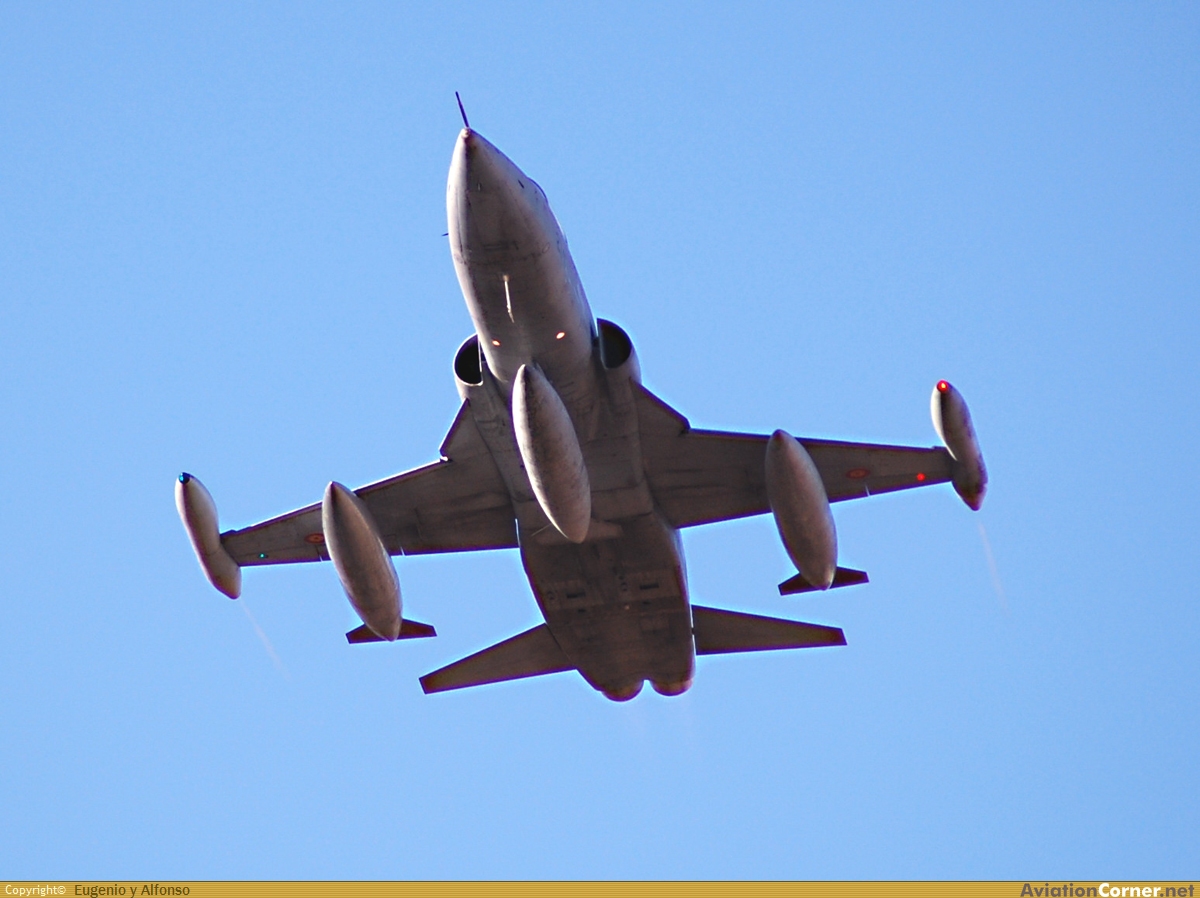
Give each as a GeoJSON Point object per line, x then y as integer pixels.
{"type": "Point", "coordinates": [462, 111]}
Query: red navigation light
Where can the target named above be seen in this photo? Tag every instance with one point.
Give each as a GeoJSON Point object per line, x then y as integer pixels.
{"type": "Point", "coordinates": [920, 477]}
{"type": "Point", "coordinates": [943, 386]}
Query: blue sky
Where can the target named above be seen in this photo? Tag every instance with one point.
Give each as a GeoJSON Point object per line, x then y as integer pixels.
{"type": "Point", "coordinates": [221, 251]}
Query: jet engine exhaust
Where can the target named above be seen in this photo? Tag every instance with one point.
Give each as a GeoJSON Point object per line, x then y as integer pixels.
{"type": "Point", "coordinates": [671, 689]}
{"type": "Point", "coordinates": [551, 453]}
{"type": "Point", "coordinates": [801, 508]}
{"type": "Point", "coordinates": [199, 515]}
{"type": "Point", "coordinates": [624, 693]}
{"type": "Point", "coordinates": [952, 421]}
{"type": "Point", "coordinates": [361, 561]}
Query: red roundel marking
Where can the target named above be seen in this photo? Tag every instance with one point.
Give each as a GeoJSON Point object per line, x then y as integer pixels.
{"type": "Point", "coordinates": [315, 539]}
{"type": "Point", "coordinates": [943, 386]}
{"type": "Point", "coordinates": [858, 473]}
{"type": "Point", "coordinates": [920, 477]}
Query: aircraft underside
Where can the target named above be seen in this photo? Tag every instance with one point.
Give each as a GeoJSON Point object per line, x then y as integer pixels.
{"type": "Point", "coordinates": [560, 452]}
{"type": "Point", "coordinates": [618, 607]}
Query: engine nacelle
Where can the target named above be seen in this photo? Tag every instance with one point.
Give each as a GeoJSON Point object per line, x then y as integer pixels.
{"type": "Point", "coordinates": [953, 424]}
{"type": "Point", "coordinates": [550, 450]}
{"type": "Point", "coordinates": [801, 508]}
{"type": "Point", "coordinates": [361, 561]}
{"type": "Point", "coordinates": [199, 515]}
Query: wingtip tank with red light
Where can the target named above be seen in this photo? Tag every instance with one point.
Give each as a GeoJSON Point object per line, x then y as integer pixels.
{"type": "Point", "coordinates": [952, 421]}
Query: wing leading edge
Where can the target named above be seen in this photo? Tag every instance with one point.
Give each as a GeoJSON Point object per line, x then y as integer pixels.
{"type": "Point", "coordinates": [704, 476]}
{"type": "Point", "coordinates": [457, 504]}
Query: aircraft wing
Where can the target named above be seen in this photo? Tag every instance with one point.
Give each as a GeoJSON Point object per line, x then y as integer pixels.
{"type": "Point", "coordinates": [457, 504]}
{"type": "Point", "coordinates": [703, 476]}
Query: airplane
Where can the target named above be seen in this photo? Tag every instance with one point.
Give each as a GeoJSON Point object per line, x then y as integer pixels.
{"type": "Point", "coordinates": [559, 451]}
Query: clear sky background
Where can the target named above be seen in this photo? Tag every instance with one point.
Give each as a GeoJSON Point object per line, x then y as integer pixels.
{"type": "Point", "coordinates": [221, 251]}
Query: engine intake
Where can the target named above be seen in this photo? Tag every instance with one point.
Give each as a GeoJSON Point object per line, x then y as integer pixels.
{"type": "Point", "coordinates": [468, 366]}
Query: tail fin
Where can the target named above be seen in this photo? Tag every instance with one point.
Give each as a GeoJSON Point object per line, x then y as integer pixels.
{"type": "Point", "coordinates": [528, 654]}
{"type": "Point", "coordinates": [718, 632]}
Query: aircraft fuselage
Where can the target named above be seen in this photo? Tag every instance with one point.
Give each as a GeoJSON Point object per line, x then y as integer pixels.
{"type": "Point", "coordinates": [616, 602]}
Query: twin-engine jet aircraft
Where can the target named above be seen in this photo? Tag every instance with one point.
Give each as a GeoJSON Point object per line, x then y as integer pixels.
{"type": "Point", "coordinates": [559, 451]}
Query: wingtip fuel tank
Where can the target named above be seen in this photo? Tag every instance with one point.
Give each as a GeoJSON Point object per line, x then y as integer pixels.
{"type": "Point", "coordinates": [199, 515]}
{"type": "Point", "coordinates": [952, 421]}
{"type": "Point", "coordinates": [798, 500]}
{"type": "Point", "coordinates": [361, 561]}
{"type": "Point", "coordinates": [550, 450]}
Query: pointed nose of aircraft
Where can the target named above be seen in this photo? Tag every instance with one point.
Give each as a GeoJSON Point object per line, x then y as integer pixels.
{"type": "Point", "coordinates": [478, 166]}
{"type": "Point", "coordinates": [478, 171]}
{"type": "Point", "coordinates": [490, 203]}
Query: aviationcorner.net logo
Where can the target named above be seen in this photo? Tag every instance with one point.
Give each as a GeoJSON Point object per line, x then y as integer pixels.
{"type": "Point", "coordinates": [1106, 890]}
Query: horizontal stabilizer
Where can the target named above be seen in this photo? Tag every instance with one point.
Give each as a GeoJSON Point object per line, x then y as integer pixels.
{"type": "Point", "coordinates": [718, 632]}
{"type": "Point", "coordinates": [528, 654]}
{"type": "Point", "coordinates": [409, 629]}
{"type": "Point", "coordinates": [844, 577]}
